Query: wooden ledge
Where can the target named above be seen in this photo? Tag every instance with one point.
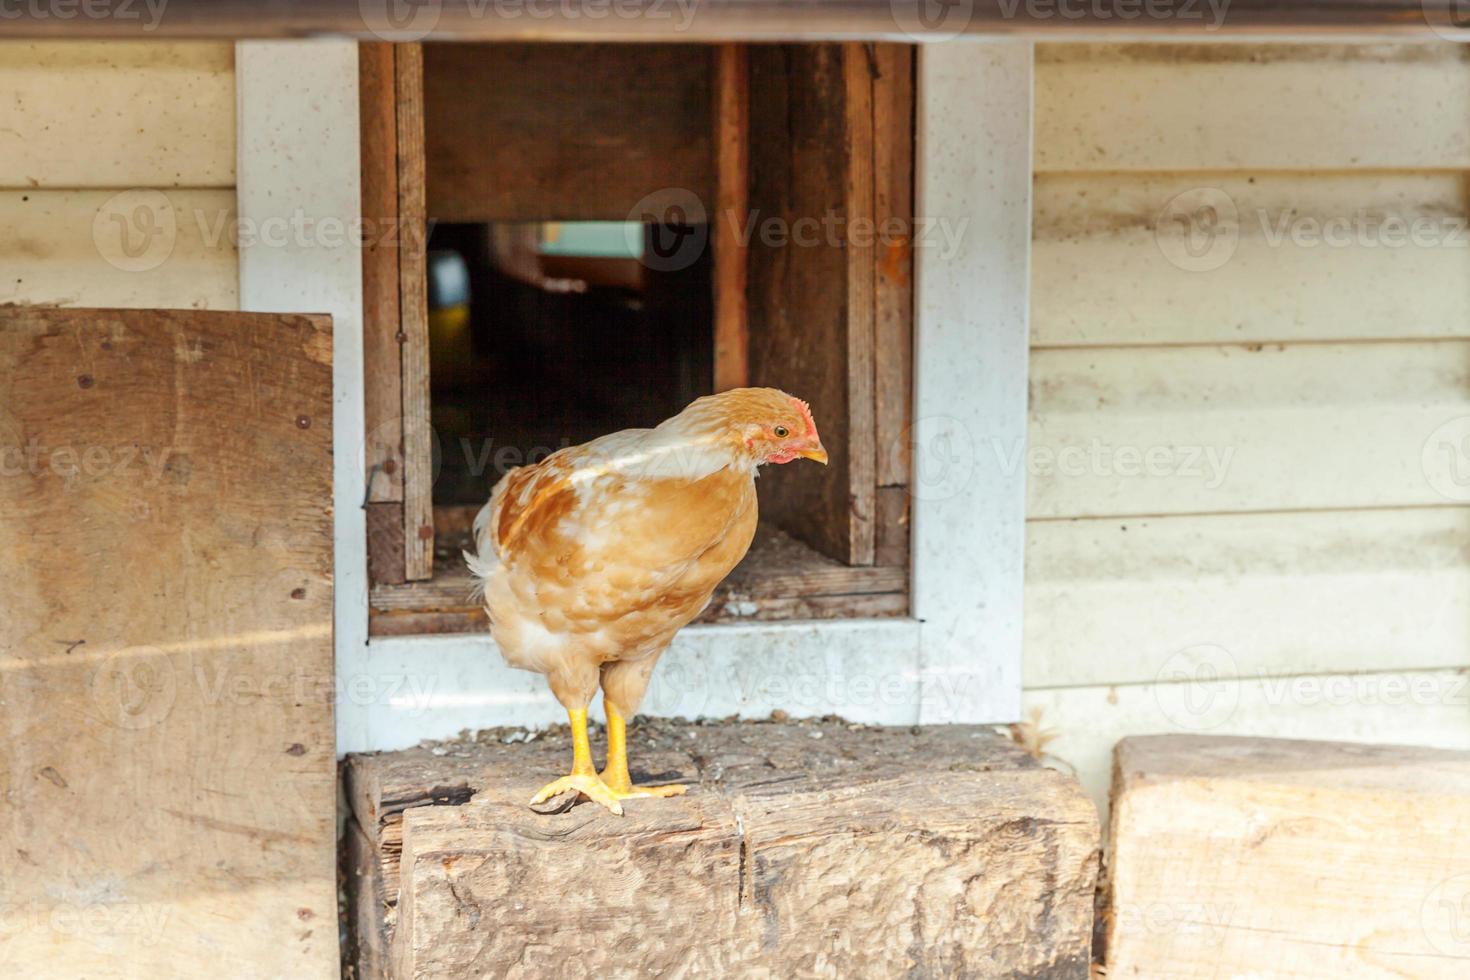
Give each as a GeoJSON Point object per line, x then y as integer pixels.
{"type": "Point", "coordinates": [780, 579]}
{"type": "Point", "coordinates": [801, 849]}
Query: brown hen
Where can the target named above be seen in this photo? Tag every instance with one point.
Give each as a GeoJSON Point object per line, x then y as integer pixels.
{"type": "Point", "coordinates": [591, 560]}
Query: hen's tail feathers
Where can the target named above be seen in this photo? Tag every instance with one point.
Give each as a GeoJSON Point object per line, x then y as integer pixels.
{"type": "Point", "coordinates": [483, 559]}
{"type": "Point", "coordinates": [480, 570]}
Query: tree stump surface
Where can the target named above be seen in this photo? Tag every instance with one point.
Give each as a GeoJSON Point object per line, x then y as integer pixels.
{"type": "Point", "coordinates": [801, 849]}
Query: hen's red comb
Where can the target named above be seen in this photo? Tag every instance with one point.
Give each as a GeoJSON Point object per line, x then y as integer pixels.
{"type": "Point", "coordinates": [806, 414]}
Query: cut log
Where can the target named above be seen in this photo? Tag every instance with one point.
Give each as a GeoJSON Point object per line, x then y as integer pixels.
{"type": "Point", "coordinates": [813, 849]}
{"type": "Point", "coordinates": [1245, 857]}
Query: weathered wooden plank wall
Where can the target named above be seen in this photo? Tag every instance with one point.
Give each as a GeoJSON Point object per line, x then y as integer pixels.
{"type": "Point", "coordinates": [117, 174]}
{"type": "Point", "coordinates": [1251, 300]}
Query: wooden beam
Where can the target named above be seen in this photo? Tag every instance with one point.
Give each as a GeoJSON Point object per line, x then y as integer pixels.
{"type": "Point", "coordinates": [947, 850]}
{"type": "Point", "coordinates": [812, 279]}
{"type": "Point", "coordinates": [418, 462]}
{"type": "Point", "coordinates": [382, 353]}
{"type": "Point", "coordinates": [859, 68]}
{"type": "Point", "coordinates": [1238, 857]}
{"type": "Point", "coordinates": [732, 206]}
{"type": "Point", "coordinates": [893, 280]}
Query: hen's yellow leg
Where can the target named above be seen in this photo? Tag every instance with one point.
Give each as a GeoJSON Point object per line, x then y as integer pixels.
{"type": "Point", "coordinates": [615, 775]}
{"type": "Point", "coordinates": [583, 778]}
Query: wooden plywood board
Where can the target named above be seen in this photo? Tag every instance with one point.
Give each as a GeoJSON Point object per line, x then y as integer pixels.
{"type": "Point", "coordinates": [1242, 257]}
{"type": "Point", "coordinates": [166, 653]}
{"type": "Point", "coordinates": [1406, 707]}
{"type": "Point", "coordinates": [135, 248]}
{"type": "Point", "coordinates": [1252, 106]}
{"type": "Point", "coordinates": [564, 132]}
{"type": "Point", "coordinates": [730, 114]}
{"type": "Point", "coordinates": [845, 851]}
{"type": "Point", "coordinates": [893, 284]}
{"type": "Point", "coordinates": [1121, 601]}
{"type": "Point", "coordinates": [413, 298]}
{"type": "Point", "coordinates": [1298, 860]}
{"type": "Point", "coordinates": [811, 296]}
{"type": "Point", "coordinates": [382, 350]}
{"type": "Point", "coordinates": [117, 114]}
{"type": "Point", "coordinates": [1190, 430]}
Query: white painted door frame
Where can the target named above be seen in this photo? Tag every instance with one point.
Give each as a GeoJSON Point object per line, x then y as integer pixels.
{"type": "Point", "coordinates": [957, 660]}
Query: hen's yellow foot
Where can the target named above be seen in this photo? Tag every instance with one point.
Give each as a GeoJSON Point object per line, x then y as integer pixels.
{"type": "Point", "coordinates": [630, 792]}
{"type": "Point", "coordinates": [588, 784]}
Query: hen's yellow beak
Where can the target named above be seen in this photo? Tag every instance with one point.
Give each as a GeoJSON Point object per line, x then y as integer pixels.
{"type": "Point", "coordinates": [816, 452]}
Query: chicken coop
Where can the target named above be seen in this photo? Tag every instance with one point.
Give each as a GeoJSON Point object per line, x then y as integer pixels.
{"type": "Point", "coordinates": [1137, 583]}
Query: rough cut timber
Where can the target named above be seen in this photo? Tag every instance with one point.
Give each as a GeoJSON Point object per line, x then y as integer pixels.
{"type": "Point", "coordinates": [167, 765]}
{"type": "Point", "coordinates": [1242, 857]}
{"type": "Point", "coordinates": [801, 850]}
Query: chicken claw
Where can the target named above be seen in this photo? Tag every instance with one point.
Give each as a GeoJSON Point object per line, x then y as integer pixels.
{"type": "Point", "coordinates": [615, 775]}
{"type": "Point", "coordinates": [588, 784]}
{"type": "Point", "coordinates": [634, 792]}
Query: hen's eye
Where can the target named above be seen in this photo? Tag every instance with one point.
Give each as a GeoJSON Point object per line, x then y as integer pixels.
{"type": "Point", "coordinates": [781, 431]}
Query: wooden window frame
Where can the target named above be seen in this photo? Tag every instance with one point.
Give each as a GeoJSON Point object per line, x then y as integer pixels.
{"type": "Point", "coordinates": [858, 568]}
{"type": "Point", "coordinates": [398, 447]}
{"type": "Point", "coordinates": [957, 657]}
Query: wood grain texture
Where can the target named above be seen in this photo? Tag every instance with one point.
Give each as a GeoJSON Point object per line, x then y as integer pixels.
{"type": "Point", "coordinates": [166, 651]}
{"type": "Point", "coordinates": [117, 115]}
{"type": "Point", "coordinates": [385, 548]}
{"type": "Point", "coordinates": [811, 326]}
{"type": "Point", "coordinates": [564, 132]}
{"type": "Point", "coordinates": [732, 205]}
{"type": "Point", "coordinates": [1116, 601]}
{"type": "Point", "coordinates": [894, 509]}
{"type": "Point", "coordinates": [413, 294]}
{"type": "Point", "coordinates": [872, 851]}
{"type": "Point", "coordinates": [1156, 107]}
{"type": "Point", "coordinates": [1288, 859]}
{"type": "Point", "coordinates": [893, 254]}
{"type": "Point", "coordinates": [382, 352]}
{"type": "Point", "coordinates": [140, 248]}
{"type": "Point", "coordinates": [859, 69]}
{"type": "Point", "coordinates": [1141, 259]}
{"type": "Point", "coordinates": [1190, 430]}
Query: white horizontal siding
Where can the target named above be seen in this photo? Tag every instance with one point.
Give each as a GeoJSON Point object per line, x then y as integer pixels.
{"type": "Point", "coordinates": [1121, 601]}
{"type": "Point", "coordinates": [135, 249]}
{"type": "Point", "coordinates": [117, 174]}
{"type": "Point", "coordinates": [1273, 257]}
{"type": "Point", "coordinates": [1159, 107]}
{"type": "Point", "coordinates": [118, 114]}
{"type": "Point", "coordinates": [1181, 430]}
{"type": "Point", "coordinates": [1250, 396]}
